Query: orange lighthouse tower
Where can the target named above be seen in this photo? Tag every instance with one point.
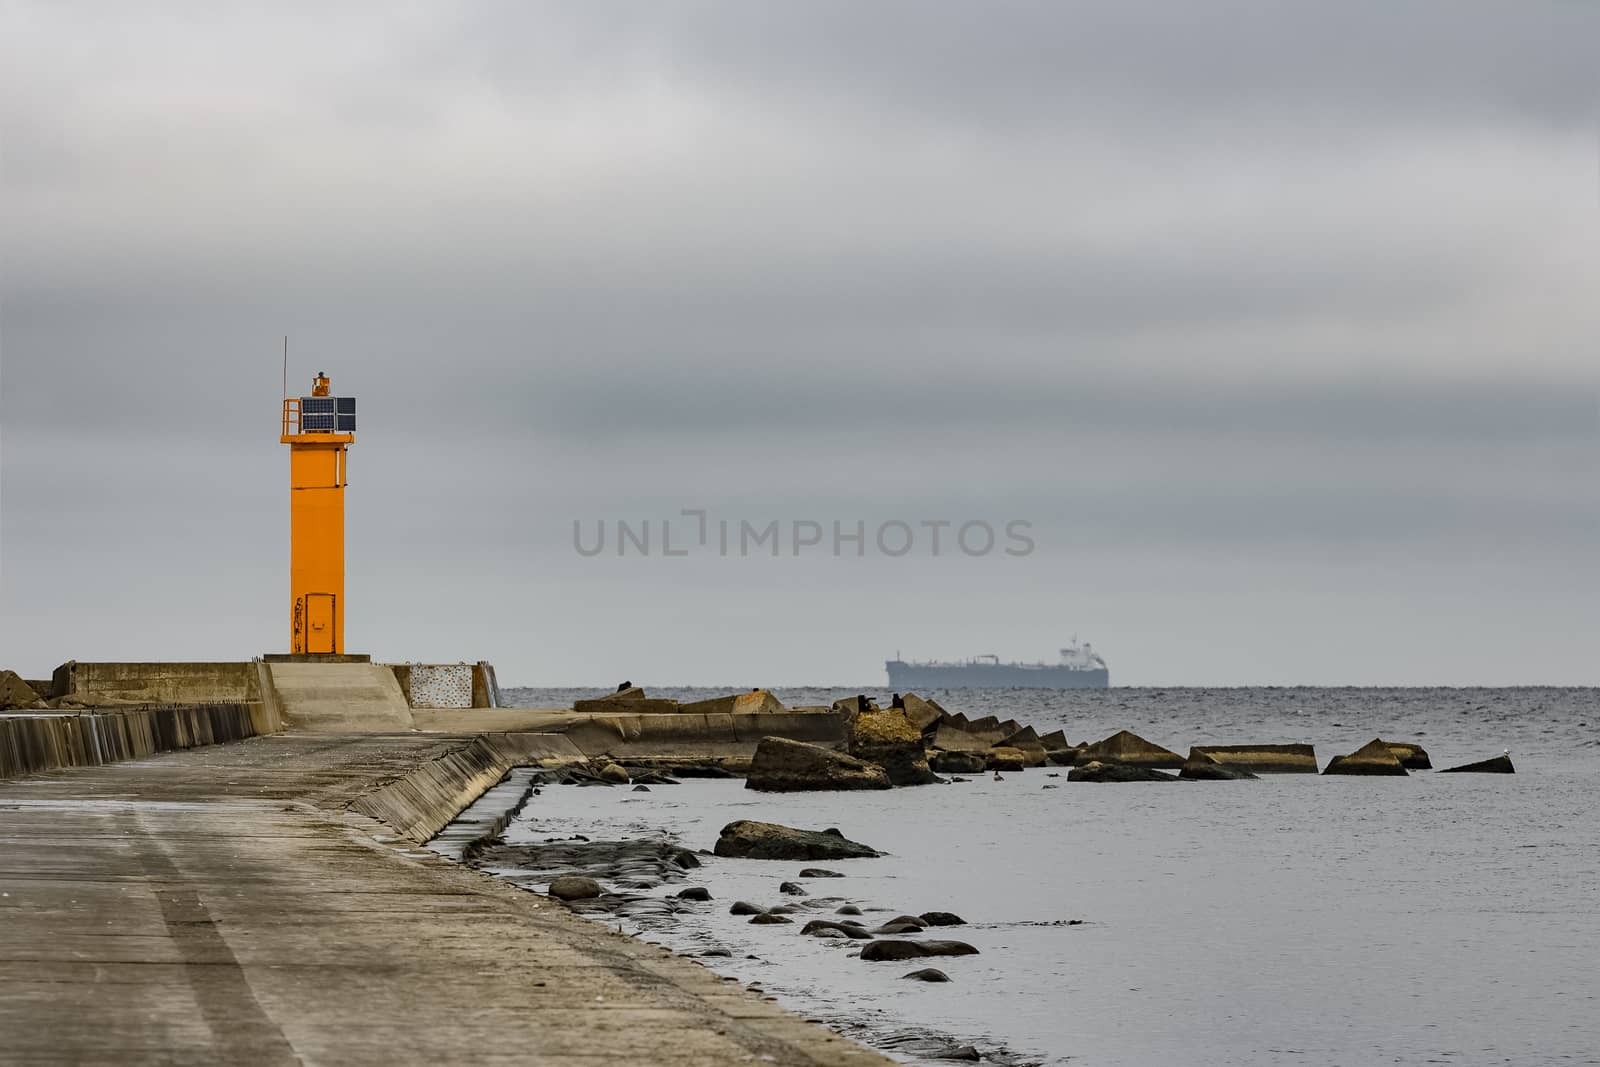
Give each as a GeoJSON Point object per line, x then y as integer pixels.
{"type": "Point", "coordinates": [318, 430]}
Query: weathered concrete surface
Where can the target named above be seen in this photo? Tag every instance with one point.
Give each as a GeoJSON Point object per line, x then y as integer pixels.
{"type": "Point", "coordinates": [341, 698]}
{"type": "Point", "coordinates": [156, 683]}
{"type": "Point", "coordinates": [221, 906]}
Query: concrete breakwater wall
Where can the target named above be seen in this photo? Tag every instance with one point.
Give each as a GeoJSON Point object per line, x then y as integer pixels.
{"type": "Point", "coordinates": [422, 802]}
{"type": "Point", "coordinates": [32, 741]}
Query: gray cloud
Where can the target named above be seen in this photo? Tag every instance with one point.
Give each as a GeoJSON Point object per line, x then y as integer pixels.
{"type": "Point", "coordinates": [1258, 310]}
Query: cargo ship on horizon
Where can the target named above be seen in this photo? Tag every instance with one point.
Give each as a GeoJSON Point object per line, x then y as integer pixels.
{"type": "Point", "coordinates": [1080, 667]}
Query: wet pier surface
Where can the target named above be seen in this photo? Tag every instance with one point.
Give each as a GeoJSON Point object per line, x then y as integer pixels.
{"type": "Point", "coordinates": [222, 905]}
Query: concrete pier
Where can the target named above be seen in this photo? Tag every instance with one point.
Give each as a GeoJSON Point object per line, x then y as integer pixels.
{"type": "Point", "coordinates": [233, 904]}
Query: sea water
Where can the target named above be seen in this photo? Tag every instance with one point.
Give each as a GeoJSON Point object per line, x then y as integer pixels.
{"type": "Point", "coordinates": [1296, 919]}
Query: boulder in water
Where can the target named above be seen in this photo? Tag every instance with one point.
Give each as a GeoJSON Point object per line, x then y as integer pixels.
{"type": "Point", "coordinates": [574, 887]}
{"type": "Point", "coordinates": [1372, 758]}
{"type": "Point", "coordinates": [892, 741]}
{"type": "Point", "coordinates": [1411, 756]}
{"type": "Point", "coordinates": [1202, 767]}
{"type": "Point", "coordinates": [1131, 749]}
{"type": "Point", "coordinates": [793, 889]}
{"type": "Point", "coordinates": [928, 974]}
{"type": "Point", "coordinates": [911, 950]}
{"type": "Point", "coordinates": [748, 839]}
{"type": "Point", "coordinates": [942, 918]}
{"type": "Point", "coordinates": [769, 918]}
{"type": "Point", "coordinates": [1006, 759]}
{"type": "Point", "coordinates": [818, 872]}
{"type": "Point", "coordinates": [784, 766]}
{"type": "Point", "coordinates": [851, 930]}
{"type": "Point", "coordinates": [1263, 759]}
{"type": "Point", "coordinates": [694, 892]}
{"type": "Point", "coordinates": [614, 773]}
{"type": "Point", "coordinates": [1497, 765]}
{"type": "Point", "coordinates": [744, 907]}
{"type": "Point", "coordinates": [958, 762]}
{"type": "Point", "coordinates": [1095, 771]}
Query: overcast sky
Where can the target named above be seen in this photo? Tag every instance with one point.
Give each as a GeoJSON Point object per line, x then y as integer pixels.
{"type": "Point", "coordinates": [1278, 323]}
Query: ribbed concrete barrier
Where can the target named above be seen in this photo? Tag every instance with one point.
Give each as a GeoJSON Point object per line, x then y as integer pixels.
{"type": "Point", "coordinates": [34, 741]}
{"type": "Point", "coordinates": [422, 802]}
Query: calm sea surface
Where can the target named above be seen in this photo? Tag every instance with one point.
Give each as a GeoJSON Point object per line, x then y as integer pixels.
{"type": "Point", "coordinates": [1296, 919]}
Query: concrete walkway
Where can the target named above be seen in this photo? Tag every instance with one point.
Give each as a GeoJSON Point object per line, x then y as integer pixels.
{"type": "Point", "coordinates": [221, 905]}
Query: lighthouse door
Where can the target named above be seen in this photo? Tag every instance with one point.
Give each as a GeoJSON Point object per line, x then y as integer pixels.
{"type": "Point", "coordinates": [319, 622]}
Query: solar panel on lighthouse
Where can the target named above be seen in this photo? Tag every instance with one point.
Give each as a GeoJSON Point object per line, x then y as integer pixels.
{"type": "Point", "coordinates": [327, 414]}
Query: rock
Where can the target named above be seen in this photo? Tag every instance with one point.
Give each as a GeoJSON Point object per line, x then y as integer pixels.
{"type": "Point", "coordinates": [928, 974]}
{"type": "Point", "coordinates": [890, 929]}
{"type": "Point", "coordinates": [1095, 771]}
{"type": "Point", "coordinates": [1497, 765]}
{"type": "Point", "coordinates": [958, 762]}
{"type": "Point", "coordinates": [768, 918]}
{"type": "Point", "coordinates": [847, 909]}
{"type": "Point", "coordinates": [694, 892]}
{"type": "Point", "coordinates": [793, 889]}
{"type": "Point", "coordinates": [988, 730]}
{"type": "Point", "coordinates": [748, 839]}
{"type": "Point", "coordinates": [1263, 759]}
{"type": "Point", "coordinates": [958, 720]}
{"type": "Point", "coordinates": [744, 907]}
{"type": "Point", "coordinates": [1065, 757]}
{"type": "Point", "coordinates": [1372, 758]}
{"type": "Point", "coordinates": [942, 918]}
{"type": "Point", "coordinates": [924, 714]}
{"type": "Point", "coordinates": [818, 872]}
{"type": "Point", "coordinates": [1201, 767]}
{"type": "Point", "coordinates": [965, 1053]}
{"type": "Point", "coordinates": [1412, 757]}
{"type": "Point", "coordinates": [1026, 735]}
{"type": "Point", "coordinates": [914, 920]}
{"type": "Point", "coordinates": [641, 789]}
{"type": "Point", "coordinates": [755, 702]}
{"type": "Point", "coordinates": [1005, 759]}
{"type": "Point", "coordinates": [852, 705]}
{"type": "Point", "coordinates": [784, 766]}
{"type": "Point", "coordinates": [717, 952]}
{"type": "Point", "coordinates": [1054, 741]}
{"type": "Point", "coordinates": [892, 741]}
{"type": "Point", "coordinates": [574, 887]}
{"type": "Point", "coordinates": [16, 694]}
{"type": "Point", "coordinates": [1131, 749]}
{"type": "Point", "coordinates": [1031, 752]}
{"type": "Point", "coordinates": [851, 930]}
{"type": "Point", "coordinates": [827, 932]}
{"type": "Point", "coordinates": [951, 738]}
{"type": "Point", "coordinates": [911, 950]}
{"type": "Point", "coordinates": [685, 859]}
{"type": "Point", "coordinates": [628, 699]}
{"type": "Point", "coordinates": [614, 773]}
